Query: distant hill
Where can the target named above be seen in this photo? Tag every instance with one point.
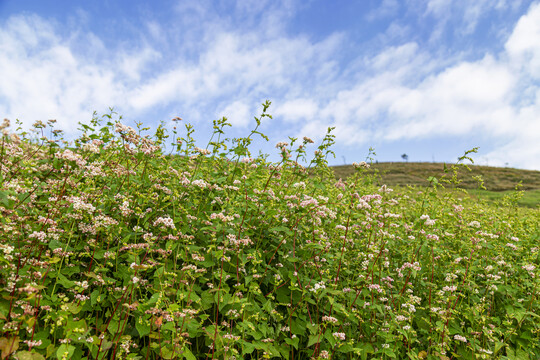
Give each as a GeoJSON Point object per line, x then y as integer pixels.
{"type": "Point", "coordinates": [417, 173]}
{"type": "Point", "coordinates": [499, 182]}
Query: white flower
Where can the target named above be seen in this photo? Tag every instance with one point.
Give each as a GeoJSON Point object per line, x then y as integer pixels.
{"type": "Point", "coordinates": [460, 338]}
{"type": "Point", "coordinates": [474, 224]}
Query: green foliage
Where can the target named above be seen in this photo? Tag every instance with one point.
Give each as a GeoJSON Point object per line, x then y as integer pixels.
{"type": "Point", "coordinates": [112, 249]}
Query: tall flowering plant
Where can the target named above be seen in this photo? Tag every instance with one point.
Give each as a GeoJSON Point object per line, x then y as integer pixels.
{"type": "Point", "coordinates": [112, 248]}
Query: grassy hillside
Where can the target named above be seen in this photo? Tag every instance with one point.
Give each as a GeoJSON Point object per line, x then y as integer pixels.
{"type": "Point", "coordinates": [497, 181]}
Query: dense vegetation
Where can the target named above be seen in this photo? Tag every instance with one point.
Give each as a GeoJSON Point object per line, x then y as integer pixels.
{"type": "Point", "coordinates": [110, 248]}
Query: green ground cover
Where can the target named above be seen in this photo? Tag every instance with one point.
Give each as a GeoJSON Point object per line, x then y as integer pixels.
{"type": "Point", "coordinates": [111, 250]}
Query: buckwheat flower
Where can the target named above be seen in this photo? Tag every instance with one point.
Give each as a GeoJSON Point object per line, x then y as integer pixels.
{"type": "Point", "coordinates": [324, 354]}
{"type": "Point", "coordinates": [6, 249]}
{"type": "Point", "coordinates": [330, 319]}
{"type": "Point", "coordinates": [202, 151]}
{"type": "Point", "coordinates": [5, 124]}
{"type": "Point", "coordinates": [385, 346]}
{"type": "Point", "coordinates": [361, 164]}
{"type": "Point", "coordinates": [135, 279]}
{"type": "Point", "coordinates": [340, 185]}
{"type": "Point", "coordinates": [317, 286]}
{"type": "Point", "coordinates": [376, 287]}
{"type": "Point", "coordinates": [339, 335]}
{"type": "Point", "coordinates": [200, 183]}
{"type": "Point", "coordinates": [165, 221]}
{"type": "Point", "coordinates": [474, 224]}
{"type": "Point", "coordinates": [512, 246]}
{"type": "Point", "coordinates": [81, 297]}
{"type": "Point", "coordinates": [91, 147]}
{"type": "Point", "coordinates": [367, 303]}
{"type": "Point", "coordinates": [31, 343]}
{"type": "Point", "coordinates": [450, 288]}
{"type": "Point", "coordinates": [40, 235]}
{"type": "Point", "coordinates": [460, 338]}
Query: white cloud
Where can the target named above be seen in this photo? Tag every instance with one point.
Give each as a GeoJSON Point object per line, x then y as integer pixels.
{"type": "Point", "coordinates": [42, 78]}
{"type": "Point", "coordinates": [240, 64]}
{"type": "Point", "coordinates": [387, 8]}
{"type": "Point", "coordinates": [133, 63]}
{"type": "Point", "coordinates": [395, 56]}
{"type": "Point", "coordinates": [438, 7]}
{"type": "Point", "coordinates": [480, 99]}
{"type": "Point", "coordinates": [398, 92]}
{"type": "Point", "coordinates": [462, 16]}
{"type": "Point", "coordinates": [46, 75]}
{"type": "Point", "coordinates": [296, 110]}
{"type": "Point", "coordinates": [523, 46]}
{"type": "Point", "coordinates": [238, 113]}
{"type": "Point", "coordinates": [180, 84]}
{"type": "Point", "coordinates": [523, 145]}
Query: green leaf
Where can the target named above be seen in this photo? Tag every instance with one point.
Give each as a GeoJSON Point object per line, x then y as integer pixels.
{"type": "Point", "coordinates": [55, 244]}
{"type": "Point", "coordinates": [167, 353]}
{"type": "Point", "coordinates": [65, 349]}
{"type": "Point", "coordinates": [27, 355]}
{"type": "Point", "coordinates": [143, 326]}
{"type": "Point", "coordinates": [298, 326]}
{"type": "Point", "coordinates": [284, 351]}
{"type": "Point", "coordinates": [9, 345]}
{"type": "Point", "coordinates": [113, 326]}
{"type": "Point", "coordinates": [268, 306]}
{"type": "Point", "coordinates": [62, 280]}
{"type": "Point", "coordinates": [94, 297]}
{"type": "Point", "coordinates": [293, 342]}
{"type": "Point", "coordinates": [389, 353]}
{"type": "Point", "coordinates": [188, 354]}
{"type": "Point", "coordinates": [345, 348]}
{"type": "Point", "coordinates": [4, 199]}
{"type": "Point", "coordinates": [247, 347]}
{"type": "Point", "coordinates": [73, 308]}
{"type": "Point", "coordinates": [314, 339]}
{"type": "Point", "coordinates": [366, 349]}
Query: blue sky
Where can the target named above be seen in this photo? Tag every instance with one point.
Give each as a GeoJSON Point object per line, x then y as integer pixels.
{"type": "Point", "coordinates": [429, 78]}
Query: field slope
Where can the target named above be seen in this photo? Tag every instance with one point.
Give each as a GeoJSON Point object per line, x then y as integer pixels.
{"type": "Point", "coordinates": [497, 181]}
